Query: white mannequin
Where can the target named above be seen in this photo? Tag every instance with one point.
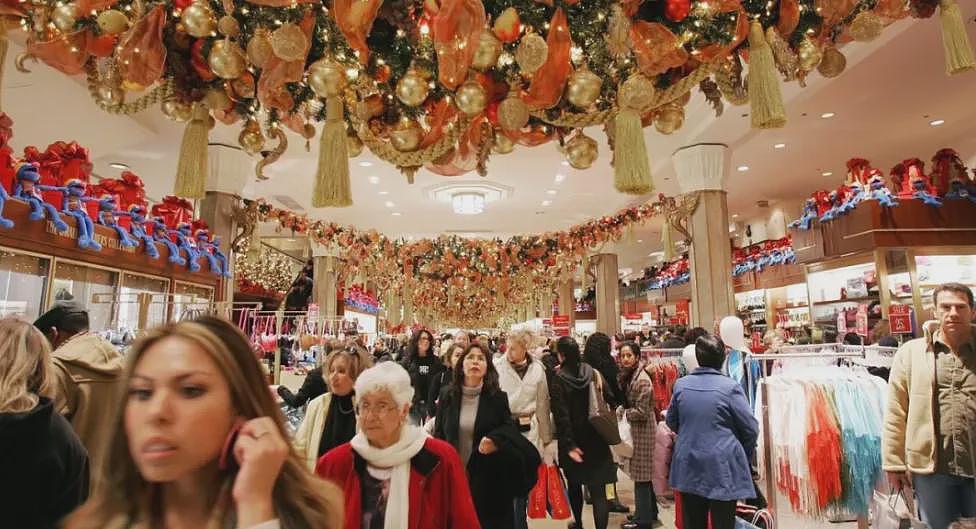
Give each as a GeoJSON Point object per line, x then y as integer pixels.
{"type": "Point", "coordinates": [689, 358]}
{"type": "Point", "coordinates": [732, 332]}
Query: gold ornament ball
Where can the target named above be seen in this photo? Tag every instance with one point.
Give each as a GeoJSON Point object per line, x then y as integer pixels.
{"type": "Point", "coordinates": [251, 138]}
{"type": "Point", "coordinates": [832, 64]}
{"type": "Point", "coordinates": [582, 151]}
{"type": "Point", "coordinates": [326, 77]}
{"type": "Point", "coordinates": [412, 89]}
{"type": "Point", "coordinates": [198, 19]}
{"type": "Point", "coordinates": [64, 17]}
{"type": "Point", "coordinates": [289, 43]}
{"type": "Point", "coordinates": [809, 54]}
{"type": "Point", "coordinates": [583, 88]}
{"type": "Point", "coordinates": [406, 135]}
{"type": "Point", "coordinates": [471, 98]}
{"type": "Point", "coordinates": [259, 48]}
{"type": "Point", "coordinates": [513, 114]}
{"type": "Point", "coordinates": [866, 26]}
{"type": "Point", "coordinates": [112, 21]}
{"type": "Point", "coordinates": [176, 110]}
{"type": "Point", "coordinates": [669, 119]}
{"type": "Point", "coordinates": [354, 145]}
{"type": "Point", "coordinates": [489, 48]}
{"type": "Point", "coordinates": [503, 144]}
{"type": "Point", "coordinates": [227, 59]}
{"type": "Point", "coordinates": [217, 99]}
{"type": "Point", "coordinates": [111, 95]}
{"type": "Point", "coordinates": [531, 53]}
{"type": "Point", "coordinates": [228, 26]}
{"type": "Point", "coordinates": [636, 93]}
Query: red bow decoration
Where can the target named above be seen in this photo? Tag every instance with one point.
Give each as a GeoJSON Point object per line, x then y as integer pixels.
{"type": "Point", "coordinates": [174, 211]}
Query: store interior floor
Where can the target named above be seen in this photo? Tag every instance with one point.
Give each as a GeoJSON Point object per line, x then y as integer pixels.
{"type": "Point", "coordinates": [625, 488]}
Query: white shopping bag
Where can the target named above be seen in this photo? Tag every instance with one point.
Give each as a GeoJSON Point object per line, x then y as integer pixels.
{"type": "Point", "coordinates": [893, 511]}
{"type": "Point", "coordinates": [624, 450]}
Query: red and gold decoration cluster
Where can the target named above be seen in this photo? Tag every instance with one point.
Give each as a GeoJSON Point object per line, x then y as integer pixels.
{"type": "Point", "coordinates": [464, 281]}
{"type": "Point", "coordinates": [443, 84]}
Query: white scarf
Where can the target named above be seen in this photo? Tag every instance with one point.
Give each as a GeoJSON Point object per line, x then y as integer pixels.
{"type": "Point", "coordinates": [396, 457]}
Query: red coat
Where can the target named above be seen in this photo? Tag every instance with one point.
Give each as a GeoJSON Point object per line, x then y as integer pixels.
{"type": "Point", "coordinates": [439, 494]}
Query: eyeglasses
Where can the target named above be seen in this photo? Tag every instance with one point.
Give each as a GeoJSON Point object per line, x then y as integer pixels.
{"type": "Point", "coordinates": [380, 408]}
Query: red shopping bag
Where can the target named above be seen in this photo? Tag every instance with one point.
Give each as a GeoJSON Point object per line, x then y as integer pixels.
{"type": "Point", "coordinates": [537, 496]}
{"type": "Point", "coordinates": [558, 502]}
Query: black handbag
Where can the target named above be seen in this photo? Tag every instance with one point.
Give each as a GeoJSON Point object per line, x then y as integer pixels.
{"type": "Point", "coordinates": [602, 418]}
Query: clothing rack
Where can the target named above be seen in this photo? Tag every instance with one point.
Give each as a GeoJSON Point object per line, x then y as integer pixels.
{"type": "Point", "coordinates": [657, 352]}
{"type": "Point", "coordinates": [862, 521]}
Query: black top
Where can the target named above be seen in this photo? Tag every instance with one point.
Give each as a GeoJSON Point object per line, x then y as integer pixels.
{"type": "Point", "coordinates": [313, 386]}
{"type": "Point", "coordinates": [45, 468]}
{"type": "Point", "coordinates": [574, 429]}
{"type": "Point", "coordinates": [438, 385]}
{"type": "Point", "coordinates": [422, 370]}
{"type": "Point", "coordinates": [340, 424]}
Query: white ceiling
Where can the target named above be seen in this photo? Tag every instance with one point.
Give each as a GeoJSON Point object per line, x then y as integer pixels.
{"type": "Point", "coordinates": [883, 103]}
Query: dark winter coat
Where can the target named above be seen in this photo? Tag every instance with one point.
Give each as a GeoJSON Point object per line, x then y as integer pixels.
{"type": "Point", "coordinates": [574, 430]}
{"type": "Point", "coordinates": [412, 365]}
{"type": "Point", "coordinates": [495, 479]}
{"type": "Point", "coordinates": [44, 466]}
{"type": "Point", "coordinates": [313, 386]}
{"type": "Point", "coordinates": [438, 385]}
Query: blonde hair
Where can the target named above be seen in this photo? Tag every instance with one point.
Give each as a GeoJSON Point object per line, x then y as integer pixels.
{"type": "Point", "coordinates": [524, 337]}
{"type": "Point", "coordinates": [25, 366]}
{"type": "Point", "coordinates": [300, 500]}
{"type": "Point", "coordinates": [358, 361]}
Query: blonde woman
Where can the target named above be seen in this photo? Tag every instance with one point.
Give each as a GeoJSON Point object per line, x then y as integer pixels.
{"type": "Point", "coordinates": [45, 466]}
{"type": "Point", "coordinates": [199, 443]}
{"type": "Point", "coordinates": [523, 379]}
{"type": "Point", "coordinates": [331, 418]}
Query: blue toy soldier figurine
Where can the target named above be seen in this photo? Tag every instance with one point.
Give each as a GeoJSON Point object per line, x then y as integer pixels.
{"type": "Point", "coordinates": [141, 231]}
{"type": "Point", "coordinates": [215, 248]}
{"type": "Point", "coordinates": [108, 209]}
{"type": "Point", "coordinates": [74, 205]}
{"type": "Point", "coordinates": [161, 234]}
{"type": "Point", "coordinates": [28, 190]}
{"type": "Point", "coordinates": [4, 222]}
{"type": "Point", "coordinates": [185, 242]}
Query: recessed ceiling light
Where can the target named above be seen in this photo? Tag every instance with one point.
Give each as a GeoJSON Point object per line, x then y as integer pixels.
{"type": "Point", "coordinates": [827, 115]}
{"type": "Point", "coordinates": [827, 173]}
{"type": "Point", "coordinates": [384, 192]}
{"type": "Point", "coordinates": [547, 202]}
{"type": "Point", "coordinates": [735, 215]}
{"type": "Point", "coordinates": [560, 177]}
{"type": "Point", "coordinates": [119, 165]}
{"type": "Point", "coordinates": [396, 213]}
{"type": "Point", "coordinates": [374, 180]}
{"type": "Point", "coordinates": [389, 204]}
{"type": "Point", "coordinates": [565, 163]}
{"type": "Point", "coordinates": [640, 240]}
{"type": "Point", "coordinates": [937, 122]}
{"type": "Point", "coordinates": [365, 163]}
{"type": "Point", "coordinates": [550, 191]}
{"type": "Point", "coordinates": [779, 146]}
{"type": "Point", "coordinates": [743, 168]}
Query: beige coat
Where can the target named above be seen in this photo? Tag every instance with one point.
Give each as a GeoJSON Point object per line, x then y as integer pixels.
{"type": "Point", "coordinates": [309, 433]}
{"type": "Point", "coordinates": [908, 441]}
{"type": "Point", "coordinates": [87, 370]}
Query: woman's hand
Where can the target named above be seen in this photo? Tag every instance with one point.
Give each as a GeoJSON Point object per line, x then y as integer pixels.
{"type": "Point", "coordinates": [576, 455]}
{"type": "Point", "coordinates": [487, 446]}
{"type": "Point", "coordinates": [260, 451]}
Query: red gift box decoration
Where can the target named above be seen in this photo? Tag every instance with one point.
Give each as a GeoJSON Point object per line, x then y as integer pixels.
{"type": "Point", "coordinates": [173, 210]}
{"type": "Point", "coordinates": [60, 162]}
{"type": "Point", "coordinates": [6, 153]}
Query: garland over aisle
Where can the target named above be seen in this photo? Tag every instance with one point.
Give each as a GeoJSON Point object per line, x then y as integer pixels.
{"type": "Point", "coordinates": [468, 282]}
{"type": "Point", "coordinates": [442, 84]}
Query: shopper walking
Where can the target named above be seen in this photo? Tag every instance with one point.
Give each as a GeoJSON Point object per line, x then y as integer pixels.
{"type": "Point", "coordinates": [474, 417]}
{"type": "Point", "coordinates": [596, 352]}
{"type": "Point", "coordinates": [716, 438]}
{"type": "Point", "coordinates": [45, 467]}
{"type": "Point", "coordinates": [330, 419]}
{"type": "Point", "coordinates": [86, 375]}
{"type": "Point", "coordinates": [314, 384]}
{"type": "Point", "coordinates": [198, 441]}
{"type": "Point", "coordinates": [583, 455]}
{"type": "Point", "coordinates": [640, 412]}
{"type": "Point", "coordinates": [523, 379]}
{"type": "Point", "coordinates": [423, 366]}
{"type": "Point", "coordinates": [393, 475]}
{"type": "Point", "coordinates": [930, 421]}
{"type": "Point", "coordinates": [443, 379]}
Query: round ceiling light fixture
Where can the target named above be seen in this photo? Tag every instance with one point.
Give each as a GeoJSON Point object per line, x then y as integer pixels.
{"type": "Point", "coordinates": [468, 197]}
{"type": "Point", "coordinates": [468, 203]}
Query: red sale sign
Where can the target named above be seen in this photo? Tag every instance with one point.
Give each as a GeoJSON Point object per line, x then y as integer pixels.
{"type": "Point", "coordinates": [900, 318]}
{"type": "Point", "coordinates": [862, 320]}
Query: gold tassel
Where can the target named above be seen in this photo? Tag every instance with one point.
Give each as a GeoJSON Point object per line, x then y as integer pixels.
{"type": "Point", "coordinates": [191, 168]}
{"type": "Point", "coordinates": [332, 186]}
{"type": "Point", "coordinates": [765, 96]}
{"type": "Point", "coordinates": [631, 169]}
{"type": "Point", "coordinates": [667, 242]}
{"type": "Point", "coordinates": [955, 41]}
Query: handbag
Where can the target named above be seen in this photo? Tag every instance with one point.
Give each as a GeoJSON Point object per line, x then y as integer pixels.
{"type": "Point", "coordinates": [602, 418]}
{"type": "Point", "coordinates": [894, 511]}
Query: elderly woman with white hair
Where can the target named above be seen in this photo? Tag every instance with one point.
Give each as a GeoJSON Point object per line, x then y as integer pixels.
{"type": "Point", "coordinates": [523, 379]}
{"type": "Point", "coordinates": [393, 475]}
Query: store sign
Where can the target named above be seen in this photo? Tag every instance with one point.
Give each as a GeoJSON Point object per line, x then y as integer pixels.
{"type": "Point", "coordinates": [861, 325]}
{"type": "Point", "coordinates": [560, 325]}
{"type": "Point", "coordinates": [682, 311]}
{"type": "Point", "coordinates": [900, 318]}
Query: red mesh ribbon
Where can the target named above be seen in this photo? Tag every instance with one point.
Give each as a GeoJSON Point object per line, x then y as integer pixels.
{"type": "Point", "coordinates": [355, 20]}
{"type": "Point", "coordinates": [66, 54]}
{"type": "Point", "coordinates": [277, 73]}
{"type": "Point", "coordinates": [657, 49]}
{"type": "Point", "coordinates": [789, 17]}
{"type": "Point", "coordinates": [463, 159]}
{"type": "Point", "coordinates": [141, 54]}
{"type": "Point", "coordinates": [456, 30]}
{"type": "Point", "coordinates": [741, 32]}
{"type": "Point", "coordinates": [891, 10]}
{"type": "Point", "coordinates": [548, 82]}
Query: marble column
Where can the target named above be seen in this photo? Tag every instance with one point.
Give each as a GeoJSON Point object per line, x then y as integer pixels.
{"type": "Point", "coordinates": [704, 169]}
{"type": "Point", "coordinates": [229, 169]}
{"type": "Point", "coordinates": [394, 308]}
{"type": "Point", "coordinates": [567, 302]}
{"type": "Point", "coordinates": [607, 293]}
{"type": "Point", "coordinates": [326, 279]}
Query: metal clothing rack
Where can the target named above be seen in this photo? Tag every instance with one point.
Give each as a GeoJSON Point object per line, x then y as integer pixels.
{"type": "Point", "coordinates": [658, 352]}
{"type": "Point", "coordinates": [862, 520]}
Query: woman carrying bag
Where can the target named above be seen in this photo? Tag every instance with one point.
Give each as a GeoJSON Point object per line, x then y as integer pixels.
{"type": "Point", "coordinates": [642, 417]}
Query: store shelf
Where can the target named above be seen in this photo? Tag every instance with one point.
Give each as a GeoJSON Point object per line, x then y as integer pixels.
{"type": "Point", "coordinates": [848, 300]}
{"type": "Point", "coordinates": [791, 307]}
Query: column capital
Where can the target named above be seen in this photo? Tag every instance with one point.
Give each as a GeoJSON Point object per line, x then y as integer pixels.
{"type": "Point", "coordinates": [230, 169]}
{"type": "Point", "coordinates": [702, 167]}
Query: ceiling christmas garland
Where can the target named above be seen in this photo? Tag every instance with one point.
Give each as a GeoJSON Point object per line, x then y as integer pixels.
{"type": "Point", "coordinates": [444, 84]}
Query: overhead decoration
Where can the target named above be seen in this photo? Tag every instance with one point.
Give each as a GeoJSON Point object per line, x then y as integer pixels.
{"type": "Point", "coordinates": [758, 257]}
{"type": "Point", "coordinates": [463, 281]}
{"type": "Point", "coordinates": [442, 85]}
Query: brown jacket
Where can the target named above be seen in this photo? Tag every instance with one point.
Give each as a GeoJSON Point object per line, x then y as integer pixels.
{"type": "Point", "coordinates": [87, 370]}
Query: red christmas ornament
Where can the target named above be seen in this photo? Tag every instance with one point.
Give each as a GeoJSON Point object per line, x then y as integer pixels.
{"type": "Point", "coordinates": [677, 10]}
{"type": "Point", "coordinates": [492, 112]}
{"type": "Point", "coordinates": [181, 4]}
